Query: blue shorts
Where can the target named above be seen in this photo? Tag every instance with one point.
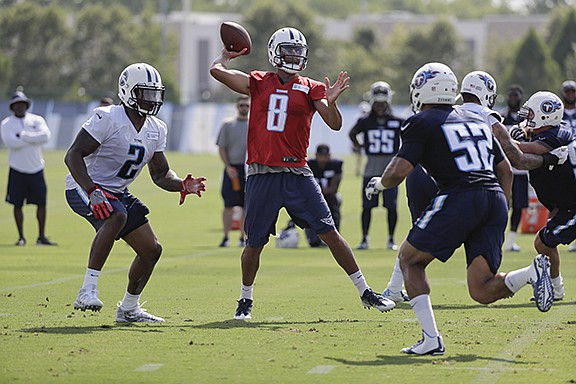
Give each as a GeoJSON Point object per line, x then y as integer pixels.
{"type": "Point", "coordinates": [420, 190]}
{"type": "Point", "coordinates": [389, 197]}
{"type": "Point", "coordinates": [135, 210]}
{"type": "Point", "coordinates": [520, 192]}
{"type": "Point", "coordinates": [560, 228]}
{"type": "Point", "coordinates": [231, 197]}
{"type": "Point", "coordinates": [29, 187]}
{"type": "Point", "coordinates": [267, 193]}
{"type": "Point", "coordinates": [475, 218]}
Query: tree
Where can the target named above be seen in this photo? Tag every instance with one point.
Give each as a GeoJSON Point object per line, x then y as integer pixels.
{"type": "Point", "coordinates": [5, 74]}
{"type": "Point", "coordinates": [36, 38]}
{"type": "Point", "coordinates": [533, 66]}
{"type": "Point", "coordinates": [562, 37]}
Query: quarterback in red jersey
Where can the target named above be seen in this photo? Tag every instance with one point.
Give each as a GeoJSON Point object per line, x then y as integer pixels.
{"type": "Point", "coordinates": [281, 110]}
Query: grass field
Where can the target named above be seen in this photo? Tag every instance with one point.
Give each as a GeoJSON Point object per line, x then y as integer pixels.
{"type": "Point", "coordinates": [308, 323]}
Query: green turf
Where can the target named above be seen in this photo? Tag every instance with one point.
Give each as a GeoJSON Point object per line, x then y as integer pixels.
{"type": "Point", "coordinates": [308, 326]}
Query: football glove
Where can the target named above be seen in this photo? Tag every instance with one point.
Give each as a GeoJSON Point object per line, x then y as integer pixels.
{"type": "Point", "coordinates": [373, 187]}
{"type": "Point", "coordinates": [518, 134]}
{"type": "Point", "coordinates": [101, 207]}
{"type": "Point", "coordinates": [557, 156]}
{"type": "Point", "coordinates": [190, 185]}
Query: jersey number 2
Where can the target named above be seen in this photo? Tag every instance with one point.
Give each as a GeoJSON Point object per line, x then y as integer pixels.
{"type": "Point", "coordinates": [127, 171]}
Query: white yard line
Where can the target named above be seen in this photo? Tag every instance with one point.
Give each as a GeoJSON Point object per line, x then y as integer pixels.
{"type": "Point", "coordinates": [321, 370]}
{"type": "Point", "coordinates": [106, 272]}
{"type": "Point", "coordinates": [148, 367]}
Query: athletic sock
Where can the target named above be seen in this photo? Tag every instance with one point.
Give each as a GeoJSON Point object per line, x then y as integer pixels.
{"type": "Point", "coordinates": [129, 301]}
{"type": "Point", "coordinates": [515, 280]}
{"type": "Point", "coordinates": [91, 277]}
{"type": "Point", "coordinates": [359, 281]}
{"type": "Point", "coordinates": [511, 239]}
{"type": "Point", "coordinates": [396, 280]}
{"type": "Point", "coordinates": [423, 309]}
{"type": "Point", "coordinates": [246, 292]}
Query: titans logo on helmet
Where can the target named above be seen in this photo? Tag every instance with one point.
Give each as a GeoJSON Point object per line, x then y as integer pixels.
{"type": "Point", "coordinates": [424, 77]}
{"type": "Point", "coordinates": [487, 82]}
{"type": "Point", "coordinates": [549, 106]}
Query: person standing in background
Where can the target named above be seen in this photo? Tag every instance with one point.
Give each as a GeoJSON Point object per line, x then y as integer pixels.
{"type": "Point", "coordinates": [381, 138]}
{"type": "Point", "coordinates": [514, 94]}
{"type": "Point", "coordinates": [24, 133]}
{"type": "Point", "coordinates": [231, 143]}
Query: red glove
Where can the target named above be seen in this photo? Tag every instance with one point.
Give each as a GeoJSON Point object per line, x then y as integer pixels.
{"type": "Point", "coordinates": [101, 207]}
{"type": "Point", "coordinates": [190, 185]}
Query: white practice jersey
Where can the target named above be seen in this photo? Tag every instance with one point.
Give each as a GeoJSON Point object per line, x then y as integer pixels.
{"type": "Point", "coordinates": [123, 151]}
{"type": "Point", "coordinates": [490, 116]}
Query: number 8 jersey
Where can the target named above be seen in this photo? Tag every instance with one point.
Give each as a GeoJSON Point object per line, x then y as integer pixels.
{"type": "Point", "coordinates": [280, 118]}
{"type": "Point", "coordinates": [123, 151]}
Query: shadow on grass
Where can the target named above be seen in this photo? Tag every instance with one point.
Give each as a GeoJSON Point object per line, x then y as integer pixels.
{"type": "Point", "coordinates": [272, 325]}
{"type": "Point", "coordinates": [498, 305]}
{"type": "Point", "coordinates": [93, 329]}
{"type": "Point", "coordinates": [414, 359]}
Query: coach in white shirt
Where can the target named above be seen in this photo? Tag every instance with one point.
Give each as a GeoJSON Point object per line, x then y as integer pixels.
{"type": "Point", "coordinates": [24, 133]}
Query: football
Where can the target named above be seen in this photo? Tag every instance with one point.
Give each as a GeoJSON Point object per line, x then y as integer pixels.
{"type": "Point", "coordinates": [235, 37]}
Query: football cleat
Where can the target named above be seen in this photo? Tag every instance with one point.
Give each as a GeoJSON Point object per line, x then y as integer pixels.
{"type": "Point", "coordinates": [243, 312]}
{"type": "Point", "coordinates": [363, 245]}
{"type": "Point", "coordinates": [21, 242]}
{"type": "Point", "coordinates": [541, 283]}
{"type": "Point", "coordinates": [572, 248]}
{"type": "Point", "coordinates": [513, 248]}
{"type": "Point", "coordinates": [224, 242]}
{"type": "Point", "coordinates": [392, 246]}
{"type": "Point", "coordinates": [427, 346]}
{"type": "Point", "coordinates": [558, 291]}
{"type": "Point", "coordinates": [44, 241]}
{"type": "Point", "coordinates": [136, 315]}
{"type": "Point", "coordinates": [397, 297]}
{"type": "Point", "coordinates": [88, 299]}
{"type": "Point", "coordinates": [372, 299]}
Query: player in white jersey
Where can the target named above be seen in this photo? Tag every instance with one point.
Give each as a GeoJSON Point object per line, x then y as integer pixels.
{"type": "Point", "coordinates": [107, 155]}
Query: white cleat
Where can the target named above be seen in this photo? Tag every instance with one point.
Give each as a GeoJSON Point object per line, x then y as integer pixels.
{"type": "Point", "coordinates": [136, 315]}
{"type": "Point", "coordinates": [372, 299]}
{"type": "Point", "coordinates": [427, 346]}
{"type": "Point", "coordinates": [542, 283]}
{"type": "Point", "coordinates": [397, 297]}
{"type": "Point", "coordinates": [88, 299]}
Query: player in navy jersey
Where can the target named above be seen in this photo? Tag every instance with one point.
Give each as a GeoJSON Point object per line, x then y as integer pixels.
{"type": "Point", "coordinates": [281, 110]}
{"type": "Point", "coordinates": [456, 146]}
{"type": "Point", "coordinates": [106, 156]}
{"type": "Point", "coordinates": [555, 186]}
{"type": "Point", "coordinates": [380, 131]}
{"type": "Point", "coordinates": [328, 173]}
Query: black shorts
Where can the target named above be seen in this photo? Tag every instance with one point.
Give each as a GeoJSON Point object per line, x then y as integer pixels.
{"type": "Point", "coordinates": [136, 210]}
{"type": "Point", "coordinates": [231, 197]}
{"type": "Point", "coordinates": [26, 187]}
{"type": "Point", "coordinates": [520, 192]}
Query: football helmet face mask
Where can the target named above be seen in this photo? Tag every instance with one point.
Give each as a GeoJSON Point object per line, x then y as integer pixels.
{"type": "Point", "coordinates": [541, 109]}
{"type": "Point", "coordinates": [433, 83]}
{"type": "Point", "coordinates": [380, 91]}
{"type": "Point", "coordinates": [140, 88]}
{"type": "Point", "coordinates": [481, 85]}
{"type": "Point", "coordinates": [287, 50]}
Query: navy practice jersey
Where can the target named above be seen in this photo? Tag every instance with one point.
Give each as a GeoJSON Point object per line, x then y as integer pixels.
{"type": "Point", "coordinates": [456, 147]}
{"type": "Point", "coordinates": [381, 135]}
{"type": "Point", "coordinates": [324, 175]}
{"type": "Point", "coordinates": [556, 187]}
{"type": "Point", "coordinates": [570, 120]}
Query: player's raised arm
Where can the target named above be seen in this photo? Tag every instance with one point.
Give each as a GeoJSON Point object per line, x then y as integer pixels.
{"type": "Point", "coordinates": [236, 80]}
{"type": "Point", "coordinates": [327, 108]}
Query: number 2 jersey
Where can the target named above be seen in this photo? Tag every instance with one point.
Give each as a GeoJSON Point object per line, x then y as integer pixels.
{"type": "Point", "coordinates": [123, 151]}
{"type": "Point", "coordinates": [456, 146]}
{"type": "Point", "coordinates": [280, 119]}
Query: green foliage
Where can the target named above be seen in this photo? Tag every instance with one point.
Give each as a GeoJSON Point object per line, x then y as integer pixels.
{"type": "Point", "coordinates": [562, 37]}
{"type": "Point", "coordinates": [532, 66]}
{"type": "Point", "coordinates": [5, 74]}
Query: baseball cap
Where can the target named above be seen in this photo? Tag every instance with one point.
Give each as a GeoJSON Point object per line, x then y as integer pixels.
{"type": "Point", "coordinates": [323, 149]}
{"type": "Point", "coordinates": [569, 84]}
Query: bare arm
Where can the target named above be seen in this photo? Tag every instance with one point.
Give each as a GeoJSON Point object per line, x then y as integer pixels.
{"type": "Point", "coordinates": [161, 173]}
{"type": "Point", "coordinates": [396, 171]}
{"type": "Point", "coordinates": [231, 171]}
{"type": "Point", "coordinates": [235, 80]}
{"type": "Point", "coordinates": [333, 186]}
{"type": "Point", "coordinates": [353, 137]}
{"type": "Point", "coordinates": [83, 145]}
{"type": "Point", "coordinates": [521, 155]}
{"type": "Point", "coordinates": [327, 108]}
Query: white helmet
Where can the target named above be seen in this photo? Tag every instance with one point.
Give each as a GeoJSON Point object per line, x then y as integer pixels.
{"type": "Point", "coordinates": [288, 238]}
{"type": "Point", "coordinates": [380, 91]}
{"type": "Point", "coordinates": [481, 85]}
{"type": "Point", "coordinates": [433, 83]}
{"type": "Point", "coordinates": [287, 50]}
{"type": "Point", "coordinates": [140, 88]}
{"type": "Point", "coordinates": [542, 109]}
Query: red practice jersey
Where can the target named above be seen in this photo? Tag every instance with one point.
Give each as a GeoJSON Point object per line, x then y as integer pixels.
{"type": "Point", "coordinates": [280, 118]}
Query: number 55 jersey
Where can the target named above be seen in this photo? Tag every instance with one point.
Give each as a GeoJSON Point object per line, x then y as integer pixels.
{"type": "Point", "coordinates": [123, 151]}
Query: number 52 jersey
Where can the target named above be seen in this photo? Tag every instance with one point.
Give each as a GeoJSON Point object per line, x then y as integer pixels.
{"type": "Point", "coordinates": [123, 151]}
